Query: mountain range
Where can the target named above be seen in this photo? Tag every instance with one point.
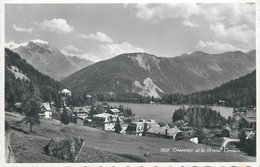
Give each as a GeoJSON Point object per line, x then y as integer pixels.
{"type": "Point", "coordinates": [150, 75]}
{"type": "Point", "coordinates": [48, 59]}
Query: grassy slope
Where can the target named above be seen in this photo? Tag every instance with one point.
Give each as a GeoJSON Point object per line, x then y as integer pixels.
{"type": "Point", "coordinates": [101, 146]}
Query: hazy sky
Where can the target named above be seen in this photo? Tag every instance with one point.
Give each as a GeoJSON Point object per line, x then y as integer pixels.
{"type": "Point", "coordinates": [102, 31]}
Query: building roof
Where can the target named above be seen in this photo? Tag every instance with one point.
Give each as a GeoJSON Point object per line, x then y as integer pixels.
{"type": "Point", "coordinates": [162, 130]}
{"type": "Point", "coordinates": [66, 91]}
{"type": "Point", "coordinates": [103, 115]}
{"type": "Point", "coordinates": [114, 110]}
{"type": "Point", "coordinates": [137, 123]}
{"type": "Point", "coordinates": [46, 106]}
{"type": "Point", "coordinates": [81, 109]}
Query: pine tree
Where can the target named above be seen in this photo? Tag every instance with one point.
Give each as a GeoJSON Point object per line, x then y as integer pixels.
{"type": "Point", "coordinates": [65, 118]}
{"type": "Point", "coordinates": [31, 110]}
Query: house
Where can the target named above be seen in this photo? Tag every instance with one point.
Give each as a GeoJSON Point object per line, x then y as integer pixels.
{"type": "Point", "coordinates": [136, 128]}
{"type": "Point", "coordinates": [195, 140]}
{"type": "Point", "coordinates": [221, 102]}
{"type": "Point", "coordinates": [139, 127]}
{"type": "Point", "coordinates": [82, 115]}
{"type": "Point", "coordinates": [108, 117]}
{"type": "Point", "coordinates": [109, 126]}
{"type": "Point", "coordinates": [18, 104]}
{"type": "Point", "coordinates": [65, 92]}
{"type": "Point", "coordinates": [166, 132]}
{"type": "Point", "coordinates": [114, 111]}
{"type": "Point", "coordinates": [152, 123]}
{"type": "Point", "coordinates": [45, 110]}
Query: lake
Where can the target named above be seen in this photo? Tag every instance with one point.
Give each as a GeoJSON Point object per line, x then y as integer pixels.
{"type": "Point", "coordinates": [163, 112]}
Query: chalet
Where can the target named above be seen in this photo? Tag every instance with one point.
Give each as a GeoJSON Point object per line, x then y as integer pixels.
{"type": "Point", "coordinates": [152, 123]}
{"type": "Point", "coordinates": [195, 140]}
{"type": "Point", "coordinates": [109, 126]}
{"type": "Point", "coordinates": [108, 117]}
{"type": "Point", "coordinates": [18, 104]}
{"type": "Point", "coordinates": [114, 111]}
{"type": "Point", "coordinates": [82, 115]}
{"type": "Point", "coordinates": [136, 128]}
{"type": "Point", "coordinates": [65, 92]}
{"type": "Point", "coordinates": [45, 110]}
{"type": "Point", "coordinates": [221, 102]}
{"type": "Point", "coordinates": [166, 132]}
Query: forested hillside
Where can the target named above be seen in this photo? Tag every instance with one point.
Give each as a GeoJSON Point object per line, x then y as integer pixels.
{"type": "Point", "coordinates": [21, 79]}
{"type": "Point", "coordinates": [238, 92]}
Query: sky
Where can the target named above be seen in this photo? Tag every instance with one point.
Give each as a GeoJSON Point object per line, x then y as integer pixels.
{"type": "Point", "coordinates": [101, 31]}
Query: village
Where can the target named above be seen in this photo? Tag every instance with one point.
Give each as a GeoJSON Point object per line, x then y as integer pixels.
{"type": "Point", "coordinates": [225, 136]}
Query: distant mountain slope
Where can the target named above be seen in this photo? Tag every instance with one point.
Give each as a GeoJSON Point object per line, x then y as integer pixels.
{"type": "Point", "coordinates": [238, 92]}
{"type": "Point", "coordinates": [48, 59]}
{"type": "Point", "coordinates": [154, 76]}
{"type": "Point", "coordinates": [21, 78]}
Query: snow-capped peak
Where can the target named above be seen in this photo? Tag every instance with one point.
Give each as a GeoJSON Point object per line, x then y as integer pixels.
{"type": "Point", "coordinates": [39, 41]}
{"type": "Point", "coordinates": [13, 44]}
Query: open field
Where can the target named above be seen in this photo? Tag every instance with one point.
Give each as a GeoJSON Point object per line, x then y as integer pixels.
{"type": "Point", "coordinates": [101, 146]}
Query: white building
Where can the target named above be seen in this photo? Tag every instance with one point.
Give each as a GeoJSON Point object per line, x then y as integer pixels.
{"type": "Point", "coordinates": [45, 110]}
{"type": "Point", "coordinates": [114, 111]}
{"type": "Point", "coordinates": [82, 115]}
{"type": "Point", "coordinates": [109, 126]}
{"type": "Point", "coordinates": [65, 92]}
{"type": "Point", "coordinates": [108, 117]}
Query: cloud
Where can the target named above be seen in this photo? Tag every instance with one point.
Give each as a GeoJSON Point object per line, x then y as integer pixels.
{"type": "Point", "coordinates": [190, 24]}
{"type": "Point", "coordinates": [21, 29]}
{"type": "Point", "coordinates": [72, 48]}
{"type": "Point", "coordinates": [215, 46]}
{"type": "Point", "coordinates": [99, 36]}
{"type": "Point", "coordinates": [228, 25]}
{"type": "Point", "coordinates": [230, 14]}
{"type": "Point", "coordinates": [241, 33]}
{"type": "Point", "coordinates": [102, 51]}
{"type": "Point", "coordinates": [156, 12]}
{"type": "Point", "coordinates": [111, 50]}
{"type": "Point", "coordinates": [56, 25]}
